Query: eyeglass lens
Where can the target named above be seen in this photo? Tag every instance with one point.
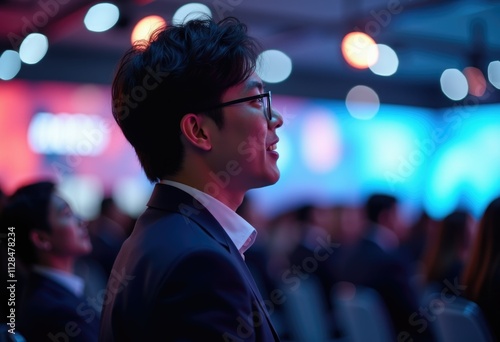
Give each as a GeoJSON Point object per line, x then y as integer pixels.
{"type": "Point", "coordinates": [267, 107]}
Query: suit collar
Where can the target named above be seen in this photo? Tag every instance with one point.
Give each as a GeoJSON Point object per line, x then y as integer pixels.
{"type": "Point", "coordinates": [37, 281]}
{"type": "Point", "coordinates": [170, 198]}
{"type": "Point", "coordinates": [70, 281]}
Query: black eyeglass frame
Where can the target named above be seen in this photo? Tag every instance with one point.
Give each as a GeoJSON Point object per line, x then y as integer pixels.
{"type": "Point", "coordinates": [268, 115]}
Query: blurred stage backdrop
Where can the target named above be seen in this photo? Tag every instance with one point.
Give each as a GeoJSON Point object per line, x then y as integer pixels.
{"type": "Point", "coordinates": [331, 152]}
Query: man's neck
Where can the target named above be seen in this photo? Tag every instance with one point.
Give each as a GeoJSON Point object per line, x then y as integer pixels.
{"type": "Point", "coordinates": [232, 199]}
{"type": "Point", "coordinates": [61, 264]}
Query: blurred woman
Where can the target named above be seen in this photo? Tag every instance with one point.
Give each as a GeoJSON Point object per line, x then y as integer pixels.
{"type": "Point", "coordinates": [482, 272]}
{"type": "Point", "coordinates": [447, 251]}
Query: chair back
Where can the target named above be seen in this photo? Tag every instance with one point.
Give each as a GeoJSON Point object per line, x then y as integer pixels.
{"type": "Point", "coordinates": [363, 313]}
{"type": "Point", "coordinates": [460, 320]}
{"type": "Point", "coordinates": [7, 336]}
{"type": "Point", "coordinates": [306, 312]}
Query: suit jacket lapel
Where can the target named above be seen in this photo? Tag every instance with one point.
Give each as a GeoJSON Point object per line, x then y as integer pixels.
{"type": "Point", "coordinates": [253, 286]}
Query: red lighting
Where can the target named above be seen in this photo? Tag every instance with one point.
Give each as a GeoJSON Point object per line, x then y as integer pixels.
{"type": "Point", "coordinates": [476, 81]}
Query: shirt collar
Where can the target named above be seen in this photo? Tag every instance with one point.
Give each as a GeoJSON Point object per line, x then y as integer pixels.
{"type": "Point", "coordinates": [70, 281]}
{"type": "Point", "coordinates": [241, 233]}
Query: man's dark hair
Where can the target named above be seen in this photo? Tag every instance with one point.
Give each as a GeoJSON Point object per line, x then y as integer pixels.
{"type": "Point", "coordinates": [182, 69]}
{"type": "Point", "coordinates": [378, 203]}
{"type": "Point", "coordinates": [27, 209]}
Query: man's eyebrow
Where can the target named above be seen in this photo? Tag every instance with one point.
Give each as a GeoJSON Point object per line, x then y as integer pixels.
{"type": "Point", "coordinates": [254, 83]}
{"type": "Point", "coordinates": [63, 207]}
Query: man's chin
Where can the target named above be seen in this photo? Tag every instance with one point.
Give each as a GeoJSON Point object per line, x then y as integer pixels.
{"type": "Point", "coordinates": [273, 178]}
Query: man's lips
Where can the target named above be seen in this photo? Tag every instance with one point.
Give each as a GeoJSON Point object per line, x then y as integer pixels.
{"type": "Point", "coordinates": [273, 146]}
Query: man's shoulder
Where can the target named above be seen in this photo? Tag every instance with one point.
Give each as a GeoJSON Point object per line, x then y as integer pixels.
{"type": "Point", "coordinates": [165, 233]}
{"type": "Point", "coordinates": [154, 223]}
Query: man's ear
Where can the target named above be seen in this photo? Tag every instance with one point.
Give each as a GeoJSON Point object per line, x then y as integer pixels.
{"type": "Point", "coordinates": [40, 240]}
{"type": "Point", "coordinates": [196, 129]}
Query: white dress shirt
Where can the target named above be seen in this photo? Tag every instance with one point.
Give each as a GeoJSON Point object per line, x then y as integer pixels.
{"type": "Point", "coordinates": [70, 281]}
{"type": "Point", "coordinates": [239, 230]}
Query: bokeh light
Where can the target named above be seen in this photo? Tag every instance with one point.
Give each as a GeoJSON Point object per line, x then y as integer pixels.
{"type": "Point", "coordinates": [475, 80]}
{"type": "Point", "coordinates": [359, 50]}
{"type": "Point", "coordinates": [274, 66]}
{"type": "Point", "coordinates": [145, 27]}
{"type": "Point", "coordinates": [387, 63]}
{"type": "Point", "coordinates": [494, 73]}
{"type": "Point", "coordinates": [362, 102]}
{"type": "Point", "coordinates": [189, 12]}
{"type": "Point", "coordinates": [101, 17]}
{"type": "Point", "coordinates": [454, 84]}
{"type": "Point", "coordinates": [10, 64]}
{"type": "Point", "coordinates": [33, 48]}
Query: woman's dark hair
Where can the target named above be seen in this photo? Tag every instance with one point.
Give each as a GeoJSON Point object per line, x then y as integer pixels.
{"type": "Point", "coordinates": [485, 255]}
{"type": "Point", "coordinates": [25, 210]}
{"type": "Point", "coordinates": [182, 69]}
{"type": "Point", "coordinates": [443, 257]}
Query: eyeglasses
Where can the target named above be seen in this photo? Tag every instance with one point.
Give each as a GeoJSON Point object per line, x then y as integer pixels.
{"type": "Point", "coordinates": [264, 97]}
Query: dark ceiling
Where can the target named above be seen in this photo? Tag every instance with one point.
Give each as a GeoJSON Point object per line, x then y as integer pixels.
{"type": "Point", "coordinates": [429, 36]}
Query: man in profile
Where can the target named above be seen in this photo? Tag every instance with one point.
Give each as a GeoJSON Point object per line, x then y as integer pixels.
{"type": "Point", "coordinates": [204, 132]}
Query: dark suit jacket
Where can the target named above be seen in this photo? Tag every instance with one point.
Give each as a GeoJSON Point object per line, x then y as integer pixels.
{"type": "Point", "coordinates": [50, 312]}
{"type": "Point", "coordinates": [179, 277]}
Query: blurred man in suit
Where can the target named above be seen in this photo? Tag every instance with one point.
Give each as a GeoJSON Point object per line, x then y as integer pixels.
{"type": "Point", "coordinates": [374, 262]}
{"type": "Point", "coordinates": [191, 105]}
{"type": "Point", "coordinates": [49, 239]}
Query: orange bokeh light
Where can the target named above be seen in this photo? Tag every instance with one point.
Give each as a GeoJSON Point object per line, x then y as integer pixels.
{"type": "Point", "coordinates": [476, 81]}
{"type": "Point", "coordinates": [145, 27]}
{"type": "Point", "coordinates": [359, 50]}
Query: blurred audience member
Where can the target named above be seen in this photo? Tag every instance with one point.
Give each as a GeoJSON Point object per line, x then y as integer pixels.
{"type": "Point", "coordinates": [10, 271]}
{"type": "Point", "coordinates": [447, 251]}
{"type": "Point", "coordinates": [347, 223]}
{"type": "Point", "coordinates": [49, 239]}
{"type": "Point", "coordinates": [316, 252]}
{"type": "Point", "coordinates": [482, 271]}
{"type": "Point", "coordinates": [384, 221]}
{"type": "Point", "coordinates": [415, 241]}
{"type": "Point", "coordinates": [317, 246]}
{"type": "Point", "coordinates": [284, 234]}
{"type": "Point", "coordinates": [107, 232]}
{"type": "Point", "coordinates": [374, 262]}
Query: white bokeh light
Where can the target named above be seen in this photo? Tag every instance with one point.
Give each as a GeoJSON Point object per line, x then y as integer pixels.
{"type": "Point", "coordinates": [131, 195]}
{"type": "Point", "coordinates": [101, 17]}
{"type": "Point", "coordinates": [494, 73]}
{"type": "Point", "coordinates": [33, 48]}
{"type": "Point", "coordinates": [387, 63]}
{"type": "Point", "coordinates": [10, 64]}
{"type": "Point", "coordinates": [362, 102]}
{"type": "Point", "coordinates": [189, 12]}
{"type": "Point", "coordinates": [83, 193]}
{"type": "Point", "coordinates": [274, 66]}
{"type": "Point", "coordinates": [454, 84]}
